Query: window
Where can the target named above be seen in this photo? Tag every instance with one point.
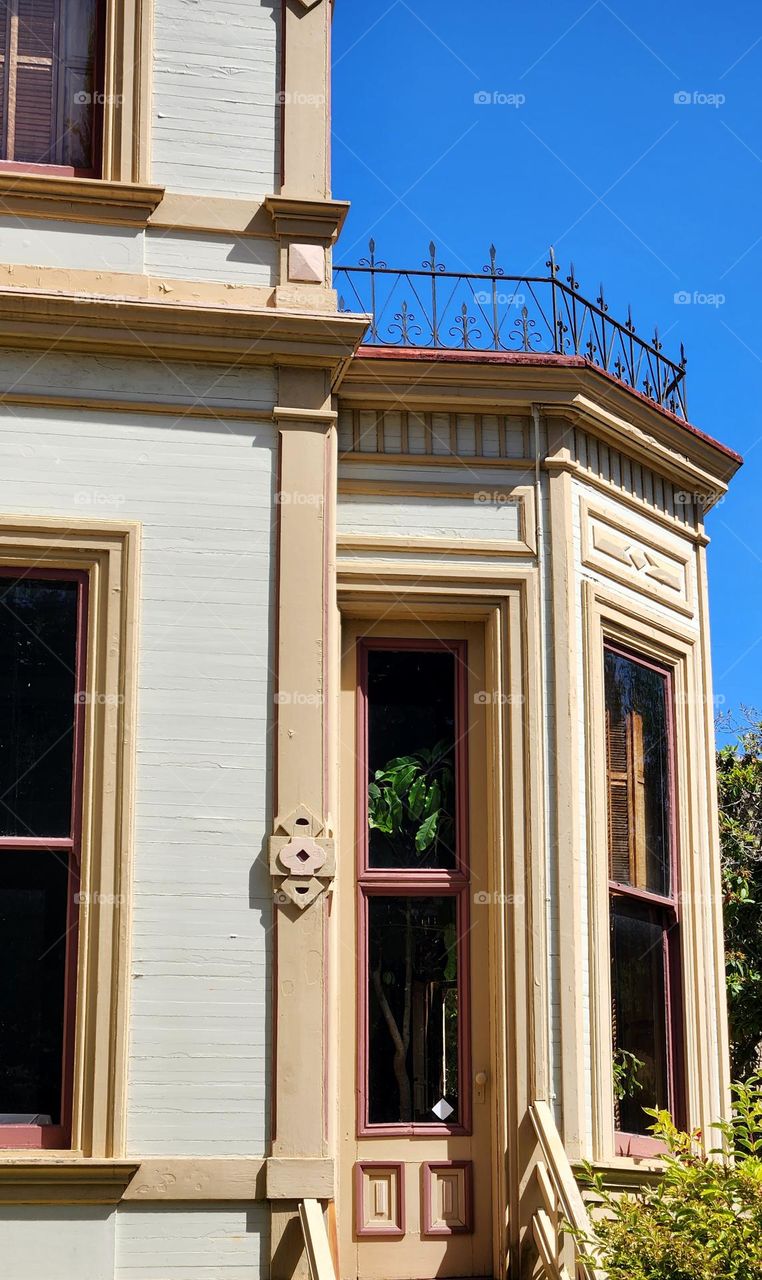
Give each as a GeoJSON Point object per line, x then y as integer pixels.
{"type": "Point", "coordinates": [643, 892]}
{"type": "Point", "coordinates": [413, 885]}
{"type": "Point", "coordinates": [42, 656]}
{"type": "Point", "coordinates": [51, 90]}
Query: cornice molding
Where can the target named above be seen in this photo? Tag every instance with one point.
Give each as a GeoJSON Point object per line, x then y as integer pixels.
{"type": "Point", "coordinates": [167, 330]}
{"type": "Point", "coordinates": [39, 195]}
{"type": "Point", "coordinates": [65, 1180]}
{"type": "Point", "coordinates": [566, 387]}
{"type": "Point", "coordinates": [297, 218]}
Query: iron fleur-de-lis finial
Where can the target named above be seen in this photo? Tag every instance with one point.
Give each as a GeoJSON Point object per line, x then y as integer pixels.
{"type": "Point", "coordinates": [493, 269]}
{"type": "Point", "coordinates": [551, 263]}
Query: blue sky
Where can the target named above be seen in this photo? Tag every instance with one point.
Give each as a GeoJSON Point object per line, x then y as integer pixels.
{"type": "Point", "coordinates": [652, 196]}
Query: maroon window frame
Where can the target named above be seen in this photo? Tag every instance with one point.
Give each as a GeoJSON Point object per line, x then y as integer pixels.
{"type": "Point", "coordinates": [410, 882]}
{"type": "Point", "coordinates": [58, 1137]}
{"type": "Point", "coordinates": [664, 912]}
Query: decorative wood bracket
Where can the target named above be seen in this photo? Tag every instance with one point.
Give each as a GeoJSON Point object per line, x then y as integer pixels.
{"type": "Point", "coordinates": [302, 857]}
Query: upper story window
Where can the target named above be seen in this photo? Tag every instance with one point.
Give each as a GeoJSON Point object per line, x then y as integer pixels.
{"type": "Point", "coordinates": [643, 893]}
{"type": "Point", "coordinates": [51, 89]}
{"type": "Point", "coordinates": [41, 705]}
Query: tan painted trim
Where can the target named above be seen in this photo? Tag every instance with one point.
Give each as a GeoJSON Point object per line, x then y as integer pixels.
{"type": "Point", "coordinates": [320, 418]}
{"type": "Point", "coordinates": [306, 100]}
{"type": "Point", "coordinates": [521, 496]}
{"type": "Point", "coordinates": [66, 1178]}
{"type": "Point", "coordinates": [626, 499]}
{"type": "Point", "coordinates": [305, 594]}
{"type": "Point", "coordinates": [302, 219]}
{"type": "Point", "coordinates": [35, 195]}
{"type": "Point", "coordinates": [197, 1178]}
{"type": "Point", "coordinates": [611, 410]}
{"type": "Point", "coordinates": [64, 1181]}
{"type": "Point", "coordinates": [439, 592]}
{"type": "Point", "coordinates": [212, 333]}
{"type": "Point", "coordinates": [613, 546]}
{"type": "Point", "coordinates": [461, 461]}
{"type": "Point", "coordinates": [213, 215]}
{"type": "Point", "coordinates": [666, 458]}
{"type": "Point", "coordinates": [299, 1179]}
{"type": "Point", "coordinates": [716, 984]}
{"type": "Point", "coordinates": [127, 90]}
{"type": "Point", "coordinates": [122, 286]}
{"type": "Point", "coordinates": [111, 404]}
{"type": "Point", "coordinates": [566, 842]}
{"type": "Point", "coordinates": [108, 553]}
{"type": "Point", "coordinates": [607, 614]}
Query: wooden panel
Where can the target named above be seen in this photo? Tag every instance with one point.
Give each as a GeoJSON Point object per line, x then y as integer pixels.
{"type": "Point", "coordinates": [379, 1199]}
{"type": "Point", "coordinates": [652, 563]}
{"type": "Point", "coordinates": [447, 1198]}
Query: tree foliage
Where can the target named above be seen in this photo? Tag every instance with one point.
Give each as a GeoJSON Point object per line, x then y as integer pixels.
{"type": "Point", "coordinates": [739, 777]}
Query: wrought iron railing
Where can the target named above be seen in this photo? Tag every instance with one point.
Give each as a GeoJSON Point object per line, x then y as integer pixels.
{"type": "Point", "coordinates": [432, 307]}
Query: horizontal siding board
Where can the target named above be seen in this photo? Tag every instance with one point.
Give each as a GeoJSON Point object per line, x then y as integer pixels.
{"type": "Point", "coordinates": [161, 1243]}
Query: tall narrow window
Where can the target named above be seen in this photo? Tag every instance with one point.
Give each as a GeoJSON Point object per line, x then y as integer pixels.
{"type": "Point", "coordinates": [41, 681]}
{"type": "Point", "coordinates": [413, 884]}
{"type": "Point", "coordinates": [50, 91]}
{"type": "Point", "coordinates": [642, 891]}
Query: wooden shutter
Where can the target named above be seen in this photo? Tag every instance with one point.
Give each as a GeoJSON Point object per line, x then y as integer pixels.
{"type": "Point", "coordinates": [625, 769]}
{"type": "Point", "coordinates": [29, 65]}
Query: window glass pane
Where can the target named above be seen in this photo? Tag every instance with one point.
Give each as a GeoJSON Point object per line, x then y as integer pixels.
{"type": "Point", "coordinates": [77, 86]}
{"type": "Point", "coordinates": [412, 1011]}
{"type": "Point", "coordinates": [38, 635]}
{"type": "Point", "coordinates": [637, 749]}
{"type": "Point", "coordinates": [639, 1014]}
{"type": "Point", "coordinates": [33, 925]}
{"type": "Point", "coordinates": [411, 759]}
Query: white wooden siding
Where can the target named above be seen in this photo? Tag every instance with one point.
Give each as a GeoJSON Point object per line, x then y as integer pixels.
{"type": "Point", "coordinates": [75, 246]}
{"type": "Point", "coordinates": [49, 1242]}
{"type": "Point", "coordinates": [199, 1047]}
{"type": "Point", "coordinates": [228, 259]}
{"type": "Point", "coordinates": [132, 381]}
{"type": "Point", "coordinates": [215, 116]}
{"type": "Point", "coordinates": [199, 1243]}
{"type": "Point", "coordinates": [483, 519]}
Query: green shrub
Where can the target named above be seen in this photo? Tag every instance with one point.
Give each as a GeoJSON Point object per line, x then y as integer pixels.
{"type": "Point", "coordinates": [703, 1220]}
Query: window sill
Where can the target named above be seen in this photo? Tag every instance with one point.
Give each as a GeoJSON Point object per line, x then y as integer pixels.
{"type": "Point", "coordinates": [623, 1173]}
{"type": "Point", "coordinates": [63, 1179]}
{"type": "Point", "coordinates": [47, 195]}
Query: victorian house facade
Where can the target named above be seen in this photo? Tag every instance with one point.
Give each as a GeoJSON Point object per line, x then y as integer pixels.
{"type": "Point", "coordinates": [358, 849]}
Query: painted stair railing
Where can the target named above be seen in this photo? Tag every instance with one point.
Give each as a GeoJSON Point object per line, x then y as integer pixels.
{"type": "Point", "coordinates": [560, 1207]}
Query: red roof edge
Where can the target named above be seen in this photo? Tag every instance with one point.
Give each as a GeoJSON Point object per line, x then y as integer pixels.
{"type": "Point", "coordinates": [439, 355]}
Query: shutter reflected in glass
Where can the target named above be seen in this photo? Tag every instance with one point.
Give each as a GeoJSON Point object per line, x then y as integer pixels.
{"type": "Point", "coordinates": [619, 806]}
{"type": "Point", "coordinates": [48, 90]}
{"type": "Point", "coordinates": [3, 71]}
